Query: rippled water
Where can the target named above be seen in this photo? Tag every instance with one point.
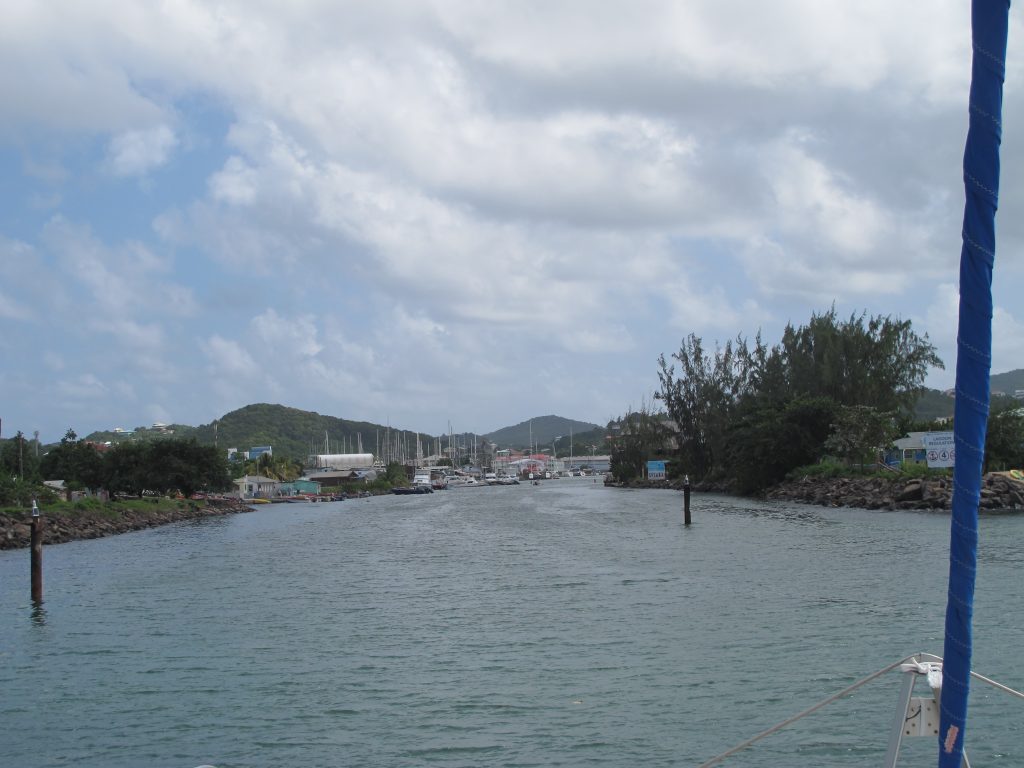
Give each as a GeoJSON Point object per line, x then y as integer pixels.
{"type": "Point", "coordinates": [563, 624]}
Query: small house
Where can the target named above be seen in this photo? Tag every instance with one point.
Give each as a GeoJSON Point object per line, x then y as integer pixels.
{"type": "Point", "coordinates": [257, 487]}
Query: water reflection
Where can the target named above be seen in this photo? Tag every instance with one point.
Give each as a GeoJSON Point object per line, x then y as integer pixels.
{"type": "Point", "coordinates": [38, 614]}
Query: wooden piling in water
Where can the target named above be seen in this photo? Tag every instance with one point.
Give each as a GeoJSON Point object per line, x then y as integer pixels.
{"type": "Point", "coordinates": [37, 559]}
{"type": "Point", "coordinates": [686, 503]}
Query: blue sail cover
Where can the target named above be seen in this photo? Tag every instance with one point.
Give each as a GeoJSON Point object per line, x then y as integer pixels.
{"type": "Point", "coordinates": [973, 363]}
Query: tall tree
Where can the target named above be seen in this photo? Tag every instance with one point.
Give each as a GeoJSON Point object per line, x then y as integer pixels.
{"type": "Point", "coordinates": [859, 432]}
{"type": "Point", "coordinates": [768, 439]}
{"type": "Point", "coordinates": [642, 436]}
{"type": "Point", "coordinates": [74, 461]}
{"type": "Point", "coordinates": [1004, 441]}
{"type": "Point", "coordinates": [701, 399]}
{"type": "Point", "coordinates": [166, 466]}
{"type": "Point", "coordinates": [18, 459]}
{"type": "Point", "coordinates": [749, 401]}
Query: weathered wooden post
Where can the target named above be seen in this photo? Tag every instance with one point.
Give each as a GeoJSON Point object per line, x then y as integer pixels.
{"type": "Point", "coordinates": [686, 500]}
{"type": "Point", "coordinates": [37, 554]}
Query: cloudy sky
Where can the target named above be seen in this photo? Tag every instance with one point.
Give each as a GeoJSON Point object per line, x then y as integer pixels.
{"type": "Point", "coordinates": [467, 212]}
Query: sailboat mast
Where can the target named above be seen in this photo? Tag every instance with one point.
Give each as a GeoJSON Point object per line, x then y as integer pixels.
{"type": "Point", "coordinates": [989, 20]}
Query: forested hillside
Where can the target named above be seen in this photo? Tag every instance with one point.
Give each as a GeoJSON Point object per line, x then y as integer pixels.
{"type": "Point", "coordinates": [295, 433]}
{"type": "Point", "coordinates": [1008, 382]}
{"type": "Point", "coordinates": [544, 430]}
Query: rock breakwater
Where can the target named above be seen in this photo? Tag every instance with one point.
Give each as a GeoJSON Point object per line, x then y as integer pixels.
{"type": "Point", "coordinates": [999, 492]}
{"type": "Point", "coordinates": [16, 531]}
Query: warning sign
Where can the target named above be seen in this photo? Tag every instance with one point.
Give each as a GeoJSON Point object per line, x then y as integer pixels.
{"type": "Point", "coordinates": [940, 448]}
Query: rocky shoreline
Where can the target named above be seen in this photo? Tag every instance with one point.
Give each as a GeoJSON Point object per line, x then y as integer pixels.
{"type": "Point", "coordinates": [999, 492]}
{"type": "Point", "coordinates": [16, 532]}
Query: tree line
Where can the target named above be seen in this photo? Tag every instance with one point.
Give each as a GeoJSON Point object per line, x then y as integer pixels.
{"type": "Point", "coordinates": [839, 388]}
{"type": "Point", "coordinates": [160, 466]}
{"type": "Point", "coordinates": [754, 412]}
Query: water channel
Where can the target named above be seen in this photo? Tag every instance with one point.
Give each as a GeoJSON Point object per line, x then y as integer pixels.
{"type": "Point", "coordinates": [562, 624]}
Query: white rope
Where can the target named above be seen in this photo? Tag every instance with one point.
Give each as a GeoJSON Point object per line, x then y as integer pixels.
{"type": "Point", "coordinates": [910, 663]}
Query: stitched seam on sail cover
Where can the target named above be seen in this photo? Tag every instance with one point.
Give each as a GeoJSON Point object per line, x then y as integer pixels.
{"type": "Point", "coordinates": [983, 113]}
{"type": "Point", "coordinates": [995, 59]}
{"type": "Point", "coordinates": [962, 564]}
{"type": "Point", "coordinates": [957, 641]}
{"type": "Point", "coordinates": [970, 348]}
{"type": "Point", "coordinates": [976, 246]}
{"type": "Point", "coordinates": [976, 401]}
{"type": "Point", "coordinates": [979, 185]}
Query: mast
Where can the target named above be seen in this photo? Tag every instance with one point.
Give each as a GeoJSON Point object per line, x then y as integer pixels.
{"type": "Point", "coordinates": [973, 362]}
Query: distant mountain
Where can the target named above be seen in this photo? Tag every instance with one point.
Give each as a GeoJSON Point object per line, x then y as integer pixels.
{"type": "Point", "coordinates": [295, 433]}
{"type": "Point", "coordinates": [933, 405]}
{"type": "Point", "coordinates": [291, 432]}
{"type": "Point", "coordinates": [544, 430]}
{"type": "Point", "coordinates": [582, 444]}
{"type": "Point", "coordinates": [1008, 382]}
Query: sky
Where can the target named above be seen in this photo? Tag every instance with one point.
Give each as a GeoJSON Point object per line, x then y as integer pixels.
{"type": "Point", "coordinates": [431, 213]}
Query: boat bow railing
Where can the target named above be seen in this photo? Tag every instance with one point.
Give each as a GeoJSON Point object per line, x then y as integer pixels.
{"type": "Point", "coordinates": [915, 716]}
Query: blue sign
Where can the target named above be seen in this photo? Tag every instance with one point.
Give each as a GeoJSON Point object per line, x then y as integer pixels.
{"type": "Point", "coordinates": [655, 470]}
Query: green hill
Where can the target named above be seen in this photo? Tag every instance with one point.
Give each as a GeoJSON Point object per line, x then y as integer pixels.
{"type": "Point", "coordinates": [933, 405]}
{"type": "Point", "coordinates": [295, 433]}
{"type": "Point", "coordinates": [1008, 382]}
{"type": "Point", "coordinates": [544, 430]}
{"type": "Point", "coordinates": [291, 432]}
{"type": "Point", "coordinates": [583, 444]}
{"type": "Point", "coordinates": [142, 433]}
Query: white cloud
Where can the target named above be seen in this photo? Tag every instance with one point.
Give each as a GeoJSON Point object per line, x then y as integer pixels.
{"type": "Point", "coordinates": [941, 320]}
{"type": "Point", "coordinates": [512, 191]}
{"type": "Point", "coordinates": [12, 309]}
{"type": "Point", "coordinates": [296, 336]}
{"type": "Point", "coordinates": [136, 153]}
{"type": "Point", "coordinates": [1007, 341]}
{"type": "Point", "coordinates": [234, 184]}
{"type": "Point", "coordinates": [85, 386]}
{"type": "Point", "coordinates": [228, 358]}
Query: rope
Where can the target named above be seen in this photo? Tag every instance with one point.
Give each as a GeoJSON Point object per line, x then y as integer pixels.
{"type": "Point", "coordinates": [863, 681]}
{"type": "Point", "coordinates": [719, 758]}
{"type": "Point", "coordinates": [1000, 686]}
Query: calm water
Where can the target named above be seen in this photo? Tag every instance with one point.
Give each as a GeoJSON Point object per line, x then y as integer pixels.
{"type": "Point", "coordinates": [559, 625]}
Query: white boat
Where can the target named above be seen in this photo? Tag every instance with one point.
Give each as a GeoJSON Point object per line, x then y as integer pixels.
{"type": "Point", "coordinates": [464, 481]}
